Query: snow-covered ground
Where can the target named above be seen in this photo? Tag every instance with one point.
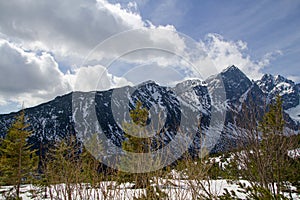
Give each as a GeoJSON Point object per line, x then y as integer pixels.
{"type": "Point", "coordinates": [294, 113]}
{"type": "Point", "coordinates": [175, 189]}
{"type": "Point", "coordinates": [295, 153]}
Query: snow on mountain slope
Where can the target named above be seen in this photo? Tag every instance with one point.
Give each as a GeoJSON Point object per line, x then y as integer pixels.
{"type": "Point", "coordinates": [220, 96]}
{"type": "Point", "coordinates": [294, 113]}
{"type": "Point", "coordinates": [279, 85]}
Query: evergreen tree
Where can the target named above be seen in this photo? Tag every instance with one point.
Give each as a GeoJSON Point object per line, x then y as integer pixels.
{"type": "Point", "coordinates": [63, 166]}
{"type": "Point", "coordinates": [92, 170]}
{"type": "Point", "coordinates": [137, 142]}
{"type": "Point", "coordinates": [264, 160]}
{"type": "Point", "coordinates": [273, 122]}
{"type": "Point", "coordinates": [134, 131]}
{"type": "Point", "coordinates": [18, 161]}
{"type": "Point", "coordinates": [274, 147]}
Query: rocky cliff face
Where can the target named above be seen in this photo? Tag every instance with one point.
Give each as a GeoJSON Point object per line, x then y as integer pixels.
{"type": "Point", "coordinates": [278, 85]}
{"type": "Point", "coordinates": [202, 109]}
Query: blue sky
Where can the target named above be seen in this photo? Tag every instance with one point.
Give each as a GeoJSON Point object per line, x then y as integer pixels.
{"type": "Point", "coordinates": [47, 48]}
{"type": "Point", "coordinates": [266, 26]}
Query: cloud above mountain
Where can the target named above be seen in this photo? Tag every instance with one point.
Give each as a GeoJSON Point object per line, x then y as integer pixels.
{"type": "Point", "coordinates": [46, 49]}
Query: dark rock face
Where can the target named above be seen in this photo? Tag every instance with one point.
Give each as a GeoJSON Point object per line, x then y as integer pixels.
{"type": "Point", "coordinates": [279, 85]}
{"type": "Point", "coordinates": [236, 83]}
{"type": "Point", "coordinates": [56, 119]}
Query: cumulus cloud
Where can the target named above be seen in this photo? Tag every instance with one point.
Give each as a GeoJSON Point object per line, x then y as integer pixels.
{"type": "Point", "coordinates": [224, 53]}
{"type": "Point", "coordinates": [138, 45]}
{"type": "Point", "coordinates": [71, 30]}
{"type": "Point", "coordinates": [47, 48]}
{"type": "Point", "coordinates": [93, 78]}
{"type": "Point", "coordinates": [68, 29]}
{"type": "Point", "coordinates": [29, 76]}
{"type": "Point", "coordinates": [40, 38]}
{"type": "Point", "coordinates": [34, 77]}
{"type": "Point", "coordinates": [214, 53]}
{"type": "Point", "coordinates": [23, 71]}
{"type": "Point", "coordinates": [267, 58]}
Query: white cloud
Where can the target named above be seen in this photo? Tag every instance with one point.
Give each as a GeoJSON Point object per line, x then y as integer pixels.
{"type": "Point", "coordinates": [296, 79]}
{"type": "Point", "coordinates": [126, 16]}
{"type": "Point", "coordinates": [27, 71]}
{"type": "Point", "coordinates": [267, 58]}
{"type": "Point", "coordinates": [224, 53]}
{"type": "Point", "coordinates": [27, 76]}
{"type": "Point", "coordinates": [3, 102]}
{"type": "Point", "coordinates": [39, 38]}
{"type": "Point", "coordinates": [34, 77]}
{"type": "Point", "coordinates": [71, 30]}
{"type": "Point", "coordinates": [132, 6]}
{"type": "Point", "coordinates": [68, 29]}
{"type": "Point", "coordinates": [92, 78]}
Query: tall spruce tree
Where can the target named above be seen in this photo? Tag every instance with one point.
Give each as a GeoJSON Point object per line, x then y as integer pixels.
{"type": "Point", "coordinates": [134, 143]}
{"type": "Point", "coordinates": [274, 147]}
{"type": "Point", "coordinates": [63, 166]}
{"type": "Point", "coordinates": [137, 142]}
{"type": "Point", "coordinates": [264, 161]}
{"type": "Point", "coordinates": [134, 132]}
{"type": "Point", "coordinates": [18, 161]}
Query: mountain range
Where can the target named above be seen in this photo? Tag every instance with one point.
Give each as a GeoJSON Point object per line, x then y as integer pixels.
{"type": "Point", "coordinates": [205, 112]}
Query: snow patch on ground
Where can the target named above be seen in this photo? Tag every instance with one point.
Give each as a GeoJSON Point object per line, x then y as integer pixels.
{"type": "Point", "coordinates": [176, 189]}
{"type": "Point", "coordinates": [294, 113]}
{"type": "Point", "coordinates": [295, 153]}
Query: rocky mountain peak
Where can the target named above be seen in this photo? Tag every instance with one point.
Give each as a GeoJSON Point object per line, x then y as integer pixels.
{"type": "Point", "coordinates": [279, 85]}
{"type": "Point", "coordinates": [55, 119]}
{"type": "Point", "coordinates": [266, 83]}
{"type": "Point", "coordinates": [231, 68]}
{"type": "Point", "coordinates": [235, 82]}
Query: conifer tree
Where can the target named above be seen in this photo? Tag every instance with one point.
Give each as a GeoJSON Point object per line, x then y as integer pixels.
{"type": "Point", "coordinates": [274, 147]}
{"type": "Point", "coordinates": [63, 166]}
{"type": "Point", "coordinates": [92, 170]}
{"type": "Point", "coordinates": [137, 142]}
{"type": "Point", "coordinates": [264, 160]}
{"type": "Point", "coordinates": [18, 161]}
{"type": "Point", "coordinates": [134, 131]}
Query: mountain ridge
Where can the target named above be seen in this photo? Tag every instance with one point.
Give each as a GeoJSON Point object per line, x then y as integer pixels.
{"type": "Point", "coordinates": [56, 119]}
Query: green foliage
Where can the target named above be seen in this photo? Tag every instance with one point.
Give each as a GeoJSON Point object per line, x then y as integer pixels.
{"type": "Point", "coordinates": [135, 143]}
{"type": "Point", "coordinates": [76, 167]}
{"type": "Point", "coordinates": [226, 168]}
{"type": "Point", "coordinates": [292, 173]}
{"type": "Point", "coordinates": [273, 122]}
{"type": "Point", "coordinates": [259, 193]}
{"type": "Point", "coordinates": [63, 165]}
{"type": "Point", "coordinates": [92, 170]}
{"type": "Point", "coordinates": [274, 148]}
{"type": "Point", "coordinates": [62, 161]}
{"type": "Point", "coordinates": [138, 142]}
{"type": "Point", "coordinates": [18, 163]}
{"type": "Point", "coordinates": [134, 132]}
{"type": "Point", "coordinates": [264, 162]}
